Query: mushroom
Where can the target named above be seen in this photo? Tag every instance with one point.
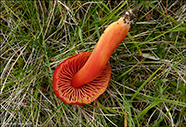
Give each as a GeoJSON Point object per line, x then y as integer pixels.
{"type": "Point", "coordinates": [83, 77]}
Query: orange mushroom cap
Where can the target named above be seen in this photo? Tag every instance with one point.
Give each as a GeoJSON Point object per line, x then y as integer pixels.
{"type": "Point", "coordinates": [87, 92]}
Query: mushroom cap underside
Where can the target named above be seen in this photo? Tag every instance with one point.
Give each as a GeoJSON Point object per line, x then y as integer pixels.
{"type": "Point", "coordinates": [84, 94]}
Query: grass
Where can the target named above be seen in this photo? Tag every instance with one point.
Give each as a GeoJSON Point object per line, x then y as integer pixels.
{"type": "Point", "coordinates": [148, 82]}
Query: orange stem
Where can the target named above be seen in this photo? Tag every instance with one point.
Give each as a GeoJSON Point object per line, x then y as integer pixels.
{"type": "Point", "coordinates": [109, 40]}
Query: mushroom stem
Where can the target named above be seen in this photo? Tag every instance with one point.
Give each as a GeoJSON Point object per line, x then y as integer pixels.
{"type": "Point", "coordinates": [109, 40]}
